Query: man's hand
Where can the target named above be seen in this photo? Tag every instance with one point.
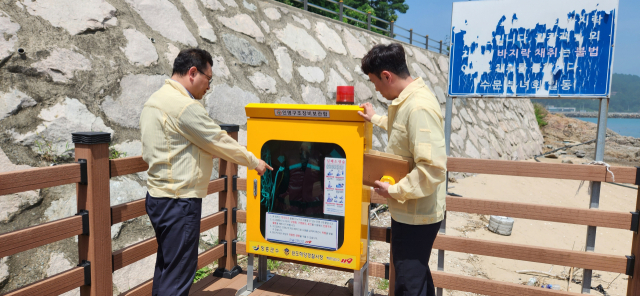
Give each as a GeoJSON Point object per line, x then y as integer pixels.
{"type": "Point", "coordinates": [368, 111]}
{"type": "Point", "coordinates": [262, 167]}
{"type": "Point", "coordinates": [382, 189]}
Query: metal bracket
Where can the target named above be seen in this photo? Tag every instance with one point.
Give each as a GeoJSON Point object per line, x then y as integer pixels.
{"type": "Point", "coordinates": [638, 175]}
{"type": "Point", "coordinates": [85, 221]}
{"type": "Point", "coordinates": [386, 271]}
{"type": "Point", "coordinates": [87, 271]}
{"type": "Point", "coordinates": [235, 183]}
{"type": "Point", "coordinates": [83, 171]}
{"type": "Point", "coordinates": [224, 242]}
{"type": "Point", "coordinates": [234, 217]}
{"type": "Point", "coordinates": [631, 261]}
{"type": "Point", "coordinates": [388, 239]}
{"type": "Point", "coordinates": [233, 247]}
{"type": "Point", "coordinates": [225, 214]}
{"type": "Point", "coordinates": [225, 182]}
{"type": "Point", "coordinates": [634, 221]}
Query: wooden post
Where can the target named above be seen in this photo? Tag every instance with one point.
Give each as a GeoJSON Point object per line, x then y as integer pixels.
{"type": "Point", "coordinates": [392, 270]}
{"type": "Point", "coordinates": [633, 286]}
{"type": "Point", "coordinates": [93, 196]}
{"type": "Point", "coordinates": [228, 199]}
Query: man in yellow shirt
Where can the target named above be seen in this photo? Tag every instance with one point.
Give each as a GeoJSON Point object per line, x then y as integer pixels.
{"type": "Point", "coordinates": [415, 127]}
{"type": "Point", "coordinates": [179, 141]}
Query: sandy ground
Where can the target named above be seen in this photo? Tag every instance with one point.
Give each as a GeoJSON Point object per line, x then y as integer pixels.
{"type": "Point", "coordinates": [529, 232]}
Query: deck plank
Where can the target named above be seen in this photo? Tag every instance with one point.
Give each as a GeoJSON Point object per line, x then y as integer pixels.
{"type": "Point", "coordinates": [301, 288]}
{"type": "Point", "coordinates": [280, 287]}
{"type": "Point", "coordinates": [322, 289]}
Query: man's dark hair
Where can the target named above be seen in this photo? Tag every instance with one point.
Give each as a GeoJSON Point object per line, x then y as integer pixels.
{"type": "Point", "coordinates": [191, 57]}
{"type": "Point", "coordinates": [386, 58]}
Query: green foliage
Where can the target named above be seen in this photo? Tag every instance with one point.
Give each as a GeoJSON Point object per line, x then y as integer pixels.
{"type": "Point", "coordinates": [625, 96]}
{"type": "Point", "coordinates": [540, 112]}
{"type": "Point", "coordinates": [113, 153]}
{"type": "Point", "coordinates": [202, 273]}
{"type": "Point", "coordinates": [384, 9]}
{"type": "Point", "coordinates": [273, 264]}
{"type": "Point", "coordinates": [305, 268]}
{"type": "Point", "coordinates": [383, 284]}
{"type": "Point", "coordinates": [49, 152]}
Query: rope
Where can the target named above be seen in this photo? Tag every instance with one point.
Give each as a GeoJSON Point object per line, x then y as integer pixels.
{"type": "Point", "coordinates": [606, 165]}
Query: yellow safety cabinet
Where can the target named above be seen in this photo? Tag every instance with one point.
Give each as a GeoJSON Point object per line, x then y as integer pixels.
{"type": "Point", "coordinates": [312, 207]}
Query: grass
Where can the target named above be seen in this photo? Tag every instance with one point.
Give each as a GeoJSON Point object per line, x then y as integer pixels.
{"type": "Point", "coordinates": [305, 268]}
{"type": "Point", "coordinates": [383, 284]}
{"type": "Point", "coordinates": [541, 112]}
{"type": "Point", "coordinates": [202, 273]}
{"type": "Point", "coordinates": [273, 264]}
{"type": "Point", "coordinates": [114, 154]}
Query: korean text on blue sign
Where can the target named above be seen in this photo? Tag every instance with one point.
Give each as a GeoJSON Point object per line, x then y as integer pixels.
{"type": "Point", "coordinates": [542, 48]}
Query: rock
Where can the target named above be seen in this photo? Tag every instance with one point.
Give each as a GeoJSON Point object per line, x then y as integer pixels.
{"type": "Point", "coordinates": [552, 155]}
{"type": "Point", "coordinates": [248, 5]}
{"type": "Point", "coordinates": [481, 103]}
{"type": "Point", "coordinates": [382, 99]}
{"type": "Point", "coordinates": [213, 5]}
{"type": "Point", "coordinates": [457, 141]}
{"type": "Point", "coordinates": [443, 63]}
{"type": "Point", "coordinates": [205, 30]}
{"type": "Point", "coordinates": [263, 83]}
{"type": "Point", "coordinates": [432, 78]}
{"type": "Point", "coordinates": [286, 100]}
{"type": "Point", "coordinates": [418, 70]}
{"type": "Point", "coordinates": [62, 64]}
{"type": "Point", "coordinates": [375, 142]}
{"type": "Point", "coordinates": [329, 38]}
{"type": "Point", "coordinates": [561, 152]}
{"type": "Point", "coordinates": [442, 98]}
{"type": "Point", "coordinates": [471, 150]}
{"type": "Point", "coordinates": [303, 21]}
{"type": "Point", "coordinates": [164, 17]}
{"type": "Point", "coordinates": [265, 26]}
{"type": "Point", "coordinates": [130, 148]}
{"type": "Point", "coordinates": [13, 204]}
{"type": "Point", "coordinates": [465, 115]}
{"type": "Point", "coordinates": [311, 74]}
{"type": "Point", "coordinates": [285, 65]}
{"type": "Point", "coordinates": [421, 58]}
{"type": "Point", "coordinates": [139, 50]}
{"type": "Point", "coordinates": [57, 264]}
{"type": "Point", "coordinates": [312, 95]}
{"type": "Point", "coordinates": [356, 48]}
{"type": "Point", "coordinates": [75, 16]}
{"type": "Point", "coordinates": [4, 271]}
{"type": "Point", "coordinates": [135, 91]}
{"type": "Point", "coordinates": [13, 101]}
{"type": "Point", "coordinates": [358, 71]}
{"type": "Point", "coordinates": [58, 122]}
{"type": "Point", "coordinates": [272, 13]}
{"type": "Point", "coordinates": [243, 50]}
{"type": "Point", "coordinates": [456, 123]}
{"type": "Point", "coordinates": [134, 274]}
{"type": "Point", "coordinates": [300, 41]}
{"type": "Point", "coordinates": [362, 92]}
{"type": "Point", "coordinates": [407, 50]}
{"type": "Point", "coordinates": [335, 80]}
{"type": "Point", "coordinates": [580, 154]}
{"type": "Point", "coordinates": [483, 116]}
{"type": "Point", "coordinates": [63, 207]}
{"type": "Point", "coordinates": [244, 24]}
{"type": "Point", "coordinates": [230, 3]}
{"type": "Point", "coordinates": [567, 161]}
{"type": "Point", "coordinates": [219, 68]}
{"type": "Point", "coordinates": [226, 104]}
{"type": "Point", "coordinates": [8, 30]}
{"type": "Point", "coordinates": [124, 189]}
{"type": "Point", "coordinates": [172, 53]}
{"type": "Point", "coordinates": [385, 139]}
{"type": "Point", "coordinates": [344, 71]}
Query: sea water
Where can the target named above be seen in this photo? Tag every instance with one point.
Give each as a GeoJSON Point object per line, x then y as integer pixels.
{"type": "Point", "coordinates": [622, 126]}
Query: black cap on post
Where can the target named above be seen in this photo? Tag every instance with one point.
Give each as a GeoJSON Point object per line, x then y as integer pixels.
{"type": "Point", "coordinates": [90, 138]}
{"type": "Point", "coordinates": [230, 128]}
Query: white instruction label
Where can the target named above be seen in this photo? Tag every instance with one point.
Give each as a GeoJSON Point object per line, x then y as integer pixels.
{"type": "Point", "coordinates": [334, 182]}
{"type": "Point", "coordinates": [303, 231]}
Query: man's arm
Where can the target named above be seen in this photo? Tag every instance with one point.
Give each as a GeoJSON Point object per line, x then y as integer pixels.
{"type": "Point", "coordinates": [371, 116]}
{"type": "Point", "coordinates": [426, 136]}
{"type": "Point", "coordinates": [196, 125]}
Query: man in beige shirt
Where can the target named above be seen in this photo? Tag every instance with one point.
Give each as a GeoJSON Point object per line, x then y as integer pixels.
{"type": "Point", "coordinates": [179, 141]}
{"type": "Point", "coordinates": [415, 127]}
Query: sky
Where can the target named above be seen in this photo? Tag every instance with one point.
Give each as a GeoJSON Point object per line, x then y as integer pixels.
{"type": "Point", "coordinates": [433, 18]}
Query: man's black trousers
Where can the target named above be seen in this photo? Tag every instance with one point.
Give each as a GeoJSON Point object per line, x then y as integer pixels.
{"type": "Point", "coordinates": [411, 246]}
{"type": "Point", "coordinates": [176, 222]}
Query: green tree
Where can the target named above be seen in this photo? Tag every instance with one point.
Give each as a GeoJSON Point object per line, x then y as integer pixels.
{"type": "Point", "coordinates": [384, 9]}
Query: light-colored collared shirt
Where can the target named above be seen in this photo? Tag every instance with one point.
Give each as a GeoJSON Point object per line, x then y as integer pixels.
{"type": "Point", "coordinates": [415, 127]}
{"type": "Point", "coordinates": [179, 141]}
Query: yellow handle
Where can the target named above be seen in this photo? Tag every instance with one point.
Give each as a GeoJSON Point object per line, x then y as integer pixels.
{"type": "Point", "coordinates": [387, 179]}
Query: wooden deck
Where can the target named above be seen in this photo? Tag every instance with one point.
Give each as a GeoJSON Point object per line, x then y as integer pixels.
{"type": "Point", "coordinates": [278, 285]}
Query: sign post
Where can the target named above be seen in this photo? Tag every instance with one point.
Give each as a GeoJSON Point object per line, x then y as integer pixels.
{"type": "Point", "coordinates": [534, 49]}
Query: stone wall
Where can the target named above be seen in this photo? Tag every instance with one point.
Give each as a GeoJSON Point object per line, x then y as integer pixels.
{"type": "Point", "coordinates": [89, 65]}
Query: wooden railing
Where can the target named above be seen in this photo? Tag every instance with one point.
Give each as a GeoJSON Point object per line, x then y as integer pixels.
{"type": "Point", "coordinates": [98, 261]}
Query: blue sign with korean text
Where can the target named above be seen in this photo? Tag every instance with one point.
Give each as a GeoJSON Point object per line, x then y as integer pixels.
{"type": "Point", "coordinates": [542, 48]}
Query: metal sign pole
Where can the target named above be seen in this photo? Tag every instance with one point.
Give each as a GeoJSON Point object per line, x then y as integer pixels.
{"type": "Point", "coordinates": [447, 141]}
{"type": "Point", "coordinates": [595, 187]}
